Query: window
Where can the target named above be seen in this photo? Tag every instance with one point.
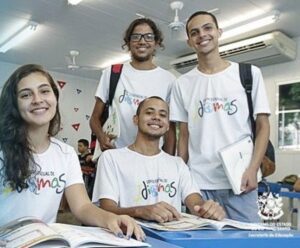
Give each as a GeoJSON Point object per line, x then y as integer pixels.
{"type": "Point", "coordinates": [289, 115]}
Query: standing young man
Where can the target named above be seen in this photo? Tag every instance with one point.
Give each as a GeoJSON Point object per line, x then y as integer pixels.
{"type": "Point", "coordinates": [145, 182]}
{"type": "Point", "coordinates": [211, 105]}
{"type": "Point", "coordinates": [139, 79]}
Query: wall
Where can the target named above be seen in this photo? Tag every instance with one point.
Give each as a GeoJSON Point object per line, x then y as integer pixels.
{"type": "Point", "coordinates": [288, 162]}
{"type": "Point", "coordinates": [76, 103]}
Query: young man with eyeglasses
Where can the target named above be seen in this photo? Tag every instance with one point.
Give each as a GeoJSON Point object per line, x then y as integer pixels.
{"type": "Point", "coordinates": [139, 79]}
{"type": "Point", "coordinates": [211, 106]}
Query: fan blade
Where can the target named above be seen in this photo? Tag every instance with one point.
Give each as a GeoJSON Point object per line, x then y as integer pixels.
{"type": "Point", "coordinates": [59, 68]}
{"type": "Point", "coordinates": [90, 68]}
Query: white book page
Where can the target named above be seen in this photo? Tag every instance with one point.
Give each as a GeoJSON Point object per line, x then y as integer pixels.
{"type": "Point", "coordinates": [235, 160]}
{"type": "Point", "coordinates": [30, 234]}
{"type": "Point", "coordinates": [234, 224]}
{"type": "Point", "coordinates": [192, 222]}
{"type": "Point", "coordinates": [95, 236]}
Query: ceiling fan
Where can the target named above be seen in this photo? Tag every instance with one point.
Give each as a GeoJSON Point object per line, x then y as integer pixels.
{"type": "Point", "coordinates": [176, 25]}
{"type": "Point", "coordinates": [72, 65]}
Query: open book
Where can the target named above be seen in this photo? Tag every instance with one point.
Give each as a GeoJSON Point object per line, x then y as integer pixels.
{"type": "Point", "coordinates": [29, 232]}
{"type": "Point", "coordinates": [112, 127]}
{"type": "Point", "coordinates": [192, 222]}
{"type": "Point", "coordinates": [235, 160]}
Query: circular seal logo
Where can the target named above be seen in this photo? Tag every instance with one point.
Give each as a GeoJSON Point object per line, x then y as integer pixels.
{"type": "Point", "coordinates": [269, 206]}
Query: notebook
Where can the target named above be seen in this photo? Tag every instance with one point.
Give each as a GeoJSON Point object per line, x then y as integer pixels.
{"type": "Point", "coordinates": [235, 159]}
{"type": "Point", "coordinates": [112, 127]}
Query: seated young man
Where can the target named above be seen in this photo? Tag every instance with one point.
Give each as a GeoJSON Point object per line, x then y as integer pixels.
{"type": "Point", "coordinates": [87, 166]}
{"type": "Point", "coordinates": [145, 182]}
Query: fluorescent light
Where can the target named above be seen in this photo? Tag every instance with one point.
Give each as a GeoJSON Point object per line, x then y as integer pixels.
{"type": "Point", "coordinates": [74, 2]}
{"type": "Point", "coordinates": [243, 17]}
{"type": "Point", "coordinates": [255, 24]}
{"type": "Point", "coordinates": [18, 37]}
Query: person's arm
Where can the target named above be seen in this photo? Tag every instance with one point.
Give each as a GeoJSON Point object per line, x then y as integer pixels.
{"type": "Point", "coordinates": [160, 212]}
{"type": "Point", "coordinates": [205, 209]}
{"type": "Point", "coordinates": [249, 180]}
{"type": "Point", "coordinates": [297, 185]}
{"type": "Point", "coordinates": [95, 124]}
{"type": "Point", "coordinates": [89, 214]}
{"type": "Point", "coordinates": [183, 141]}
{"type": "Point", "coordinates": [170, 139]}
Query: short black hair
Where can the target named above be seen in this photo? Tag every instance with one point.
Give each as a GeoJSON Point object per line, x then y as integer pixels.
{"type": "Point", "coordinates": [200, 13]}
{"type": "Point", "coordinates": [84, 142]}
{"type": "Point", "coordinates": [138, 110]}
{"type": "Point", "coordinates": [156, 31]}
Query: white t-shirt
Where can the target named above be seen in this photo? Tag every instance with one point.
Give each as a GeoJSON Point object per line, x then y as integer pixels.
{"type": "Point", "coordinates": [59, 169]}
{"type": "Point", "coordinates": [133, 87]}
{"type": "Point", "coordinates": [132, 179]}
{"type": "Point", "coordinates": [216, 110]}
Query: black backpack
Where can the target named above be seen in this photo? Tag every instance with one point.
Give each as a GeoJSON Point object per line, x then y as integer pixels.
{"type": "Point", "coordinates": [268, 163]}
{"type": "Point", "coordinates": [113, 82]}
{"type": "Point", "coordinates": [114, 79]}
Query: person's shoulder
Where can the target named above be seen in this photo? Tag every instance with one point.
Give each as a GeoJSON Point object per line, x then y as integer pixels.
{"type": "Point", "coordinates": [58, 144]}
{"type": "Point", "coordinates": [106, 70]}
{"type": "Point", "coordinates": [254, 68]}
{"type": "Point", "coordinates": [188, 76]}
{"type": "Point", "coordinates": [113, 153]}
{"type": "Point", "coordinates": [166, 73]}
{"type": "Point", "coordinates": [175, 159]}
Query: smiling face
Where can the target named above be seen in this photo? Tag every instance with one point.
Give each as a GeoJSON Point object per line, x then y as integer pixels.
{"type": "Point", "coordinates": [203, 34]}
{"type": "Point", "coordinates": [142, 50]}
{"type": "Point", "coordinates": [153, 118]}
{"type": "Point", "coordinates": [36, 100]}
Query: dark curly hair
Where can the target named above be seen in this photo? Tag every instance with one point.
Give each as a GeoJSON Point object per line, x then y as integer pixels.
{"type": "Point", "coordinates": [14, 145]}
{"type": "Point", "coordinates": [140, 21]}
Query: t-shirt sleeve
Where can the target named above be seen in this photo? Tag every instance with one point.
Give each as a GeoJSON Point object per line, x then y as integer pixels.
{"type": "Point", "coordinates": [259, 95]}
{"type": "Point", "coordinates": [177, 111]}
{"type": "Point", "coordinates": [187, 183]}
{"type": "Point", "coordinates": [102, 91]}
{"type": "Point", "coordinates": [106, 183]}
{"type": "Point", "coordinates": [74, 175]}
{"type": "Point", "coordinates": [171, 86]}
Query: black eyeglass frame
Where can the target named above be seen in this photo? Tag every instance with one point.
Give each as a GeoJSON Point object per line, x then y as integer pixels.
{"type": "Point", "coordinates": [148, 37]}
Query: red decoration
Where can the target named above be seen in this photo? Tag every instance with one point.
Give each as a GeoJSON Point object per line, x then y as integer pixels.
{"type": "Point", "coordinates": [76, 126]}
{"type": "Point", "coordinates": [61, 84]}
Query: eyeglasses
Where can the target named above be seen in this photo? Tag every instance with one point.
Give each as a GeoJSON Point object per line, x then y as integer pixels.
{"type": "Point", "coordinates": [147, 37]}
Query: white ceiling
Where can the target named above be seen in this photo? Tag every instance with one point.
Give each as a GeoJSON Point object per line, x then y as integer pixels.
{"type": "Point", "coordinates": [95, 27]}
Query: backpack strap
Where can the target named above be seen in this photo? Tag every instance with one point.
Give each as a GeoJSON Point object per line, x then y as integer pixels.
{"type": "Point", "coordinates": [246, 81]}
{"type": "Point", "coordinates": [113, 81]}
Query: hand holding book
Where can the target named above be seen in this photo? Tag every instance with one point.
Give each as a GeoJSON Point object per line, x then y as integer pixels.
{"type": "Point", "coordinates": [236, 159]}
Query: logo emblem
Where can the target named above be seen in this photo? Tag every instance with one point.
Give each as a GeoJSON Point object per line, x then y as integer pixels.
{"type": "Point", "coordinates": [269, 206]}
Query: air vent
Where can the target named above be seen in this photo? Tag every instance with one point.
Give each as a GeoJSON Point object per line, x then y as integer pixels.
{"type": "Point", "coordinates": [266, 49]}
